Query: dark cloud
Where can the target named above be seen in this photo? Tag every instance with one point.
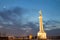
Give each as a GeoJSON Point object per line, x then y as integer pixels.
{"type": "Point", "coordinates": [18, 10]}
{"type": "Point", "coordinates": [12, 14]}
{"type": "Point", "coordinates": [33, 26]}
{"type": "Point", "coordinates": [51, 22]}
{"type": "Point", "coordinates": [5, 14]}
{"type": "Point", "coordinates": [12, 17]}
{"type": "Point", "coordinates": [55, 32]}
{"type": "Point", "coordinates": [25, 29]}
{"type": "Point", "coordinates": [51, 25]}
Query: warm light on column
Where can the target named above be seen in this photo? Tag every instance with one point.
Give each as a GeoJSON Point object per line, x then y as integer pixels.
{"type": "Point", "coordinates": [41, 34]}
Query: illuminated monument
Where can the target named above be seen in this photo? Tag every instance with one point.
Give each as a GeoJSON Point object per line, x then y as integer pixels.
{"type": "Point", "coordinates": [41, 34]}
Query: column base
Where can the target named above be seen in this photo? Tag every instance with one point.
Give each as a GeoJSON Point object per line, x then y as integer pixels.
{"type": "Point", "coordinates": [42, 35]}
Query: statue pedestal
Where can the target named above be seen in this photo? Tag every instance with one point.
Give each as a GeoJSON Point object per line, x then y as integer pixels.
{"type": "Point", "coordinates": [41, 35]}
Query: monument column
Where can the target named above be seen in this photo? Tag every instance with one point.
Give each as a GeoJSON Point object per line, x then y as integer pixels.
{"type": "Point", "coordinates": [41, 22]}
{"type": "Point", "coordinates": [41, 34]}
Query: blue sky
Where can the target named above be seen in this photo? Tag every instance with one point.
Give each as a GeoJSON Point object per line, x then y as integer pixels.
{"type": "Point", "coordinates": [15, 13]}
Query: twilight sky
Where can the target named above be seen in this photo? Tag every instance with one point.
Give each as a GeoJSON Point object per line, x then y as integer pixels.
{"type": "Point", "coordinates": [21, 16]}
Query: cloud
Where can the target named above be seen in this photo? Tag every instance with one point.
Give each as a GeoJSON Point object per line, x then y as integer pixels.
{"type": "Point", "coordinates": [25, 29]}
{"type": "Point", "coordinates": [7, 13]}
{"type": "Point", "coordinates": [11, 16]}
{"type": "Point", "coordinates": [1, 26]}
{"type": "Point", "coordinates": [51, 25]}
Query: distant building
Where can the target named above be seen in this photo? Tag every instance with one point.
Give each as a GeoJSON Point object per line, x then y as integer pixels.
{"type": "Point", "coordinates": [11, 37]}
{"type": "Point", "coordinates": [30, 36]}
